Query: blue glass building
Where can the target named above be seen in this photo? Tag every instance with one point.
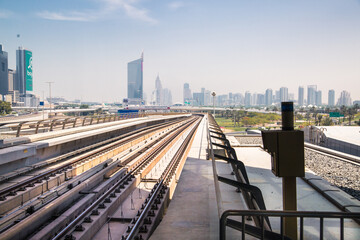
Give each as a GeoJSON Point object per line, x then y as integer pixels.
{"type": "Point", "coordinates": [135, 80]}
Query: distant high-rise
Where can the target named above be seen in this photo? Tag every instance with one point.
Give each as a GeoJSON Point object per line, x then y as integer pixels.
{"type": "Point", "coordinates": [253, 101]}
{"type": "Point", "coordinates": [11, 79]}
{"type": "Point", "coordinates": [268, 97]}
{"type": "Point", "coordinates": [301, 96]}
{"type": "Point", "coordinates": [198, 99]}
{"type": "Point", "coordinates": [158, 92]}
{"type": "Point", "coordinates": [187, 94]}
{"type": "Point", "coordinates": [24, 71]}
{"type": "Point", "coordinates": [230, 98]}
{"type": "Point", "coordinates": [167, 97]}
{"type": "Point", "coordinates": [331, 98]}
{"type": "Point", "coordinates": [344, 99]}
{"type": "Point", "coordinates": [207, 98]}
{"type": "Point", "coordinates": [4, 84]}
{"type": "Point", "coordinates": [135, 81]}
{"type": "Point", "coordinates": [311, 94]}
{"type": "Point", "coordinates": [238, 99]}
{"type": "Point", "coordinates": [277, 96]}
{"type": "Point", "coordinates": [318, 98]}
{"type": "Point", "coordinates": [247, 99]}
{"type": "Point", "coordinates": [284, 94]}
{"type": "Point", "coordinates": [260, 99]}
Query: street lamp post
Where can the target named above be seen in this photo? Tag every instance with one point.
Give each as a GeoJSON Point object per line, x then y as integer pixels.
{"type": "Point", "coordinates": [213, 94]}
{"type": "Point", "coordinates": [50, 95]}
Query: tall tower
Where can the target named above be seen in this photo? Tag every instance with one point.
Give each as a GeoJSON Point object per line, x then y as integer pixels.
{"type": "Point", "coordinates": [318, 98]}
{"type": "Point", "coordinates": [158, 92]}
{"type": "Point", "coordinates": [344, 99]}
{"type": "Point", "coordinates": [24, 71]}
{"type": "Point", "coordinates": [268, 97]}
{"type": "Point", "coordinates": [311, 94]}
{"type": "Point", "coordinates": [331, 98]}
{"type": "Point", "coordinates": [135, 81]}
{"type": "Point", "coordinates": [247, 99]}
{"type": "Point", "coordinates": [284, 96]}
{"type": "Point", "coordinates": [301, 96]}
{"type": "Point", "coordinates": [187, 94]}
{"type": "Point", "coordinates": [4, 85]}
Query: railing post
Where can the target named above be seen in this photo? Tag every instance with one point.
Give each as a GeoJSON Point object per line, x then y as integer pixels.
{"type": "Point", "coordinates": [52, 124]}
{"type": "Point", "coordinates": [75, 122]}
{"type": "Point", "coordinates": [223, 226]}
{"type": "Point", "coordinates": [37, 126]}
{"type": "Point", "coordinates": [19, 128]}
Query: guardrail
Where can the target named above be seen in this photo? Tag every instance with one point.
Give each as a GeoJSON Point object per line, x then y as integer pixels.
{"type": "Point", "coordinates": [252, 194]}
{"type": "Point", "coordinates": [264, 234]}
{"type": "Point", "coordinates": [70, 122]}
{"type": "Point", "coordinates": [253, 198]}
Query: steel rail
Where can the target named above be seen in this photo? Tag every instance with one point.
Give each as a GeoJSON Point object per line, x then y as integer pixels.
{"type": "Point", "coordinates": [163, 181]}
{"type": "Point", "coordinates": [127, 137]}
{"type": "Point", "coordinates": [130, 174]}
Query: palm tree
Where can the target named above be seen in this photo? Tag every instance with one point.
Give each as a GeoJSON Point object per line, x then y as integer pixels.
{"type": "Point", "coordinates": [351, 111]}
{"type": "Point", "coordinates": [343, 111]}
{"type": "Point", "coordinates": [319, 119]}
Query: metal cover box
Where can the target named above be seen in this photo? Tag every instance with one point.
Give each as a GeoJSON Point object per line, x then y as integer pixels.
{"type": "Point", "coordinates": [287, 152]}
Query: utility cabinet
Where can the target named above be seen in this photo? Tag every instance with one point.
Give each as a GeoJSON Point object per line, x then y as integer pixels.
{"type": "Point", "coordinates": [287, 152]}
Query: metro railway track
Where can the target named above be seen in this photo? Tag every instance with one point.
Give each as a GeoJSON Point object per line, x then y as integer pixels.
{"type": "Point", "coordinates": [138, 225]}
{"type": "Point", "coordinates": [137, 169]}
{"type": "Point", "coordinates": [123, 141]}
{"type": "Point", "coordinates": [79, 156]}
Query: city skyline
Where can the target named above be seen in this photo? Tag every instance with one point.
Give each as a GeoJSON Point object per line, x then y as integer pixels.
{"type": "Point", "coordinates": [268, 98]}
{"type": "Point", "coordinates": [238, 46]}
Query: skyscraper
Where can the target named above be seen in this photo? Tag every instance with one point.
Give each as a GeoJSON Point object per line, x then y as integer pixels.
{"type": "Point", "coordinates": [247, 99]}
{"type": "Point", "coordinates": [284, 94]}
{"type": "Point", "coordinates": [135, 81]}
{"type": "Point", "coordinates": [4, 84]}
{"type": "Point", "coordinates": [260, 99]}
{"type": "Point", "coordinates": [207, 98]}
{"type": "Point", "coordinates": [318, 98]}
{"type": "Point", "coordinates": [24, 71]}
{"type": "Point", "coordinates": [311, 94]}
{"type": "Point", "coordinates": [344, 99]}
{"type": "Point", "coordinates": [331, 97]}
{"type": "Point", "coordinates": [301, 96]}
{"type": "Point", "coordinates": [158, 92]}
{"type": "Point", "coordinates": [11, 79]}
{"type": "Point", "coordinates": [268, 97]}
{"type": "Point", "coordinates": [167, 97]}
{"type": "Point", "coordinates": [187, 94]}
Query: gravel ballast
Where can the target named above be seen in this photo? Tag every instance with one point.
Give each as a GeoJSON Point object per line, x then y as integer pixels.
{"type": "Point", "coordinates": [341, 174]}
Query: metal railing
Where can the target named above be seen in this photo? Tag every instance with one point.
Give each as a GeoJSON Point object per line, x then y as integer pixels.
{"type": "Point", "coordinates": [71, 122]}
{"type": "Point", "coordinates": [264, 234]}
{"type": "Point", "coordinates": [262, 230]}
{"type": "Point", "coordinates": [252, 194]}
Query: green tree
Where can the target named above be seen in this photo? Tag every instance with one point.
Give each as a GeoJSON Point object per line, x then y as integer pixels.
{"type": "Point", "coordinates": [319, 119]}
{"type": "Point", "coordinates": [307, 116]}
{"type": "Point", "coordinates": [351, 111]}
{"type": "Point", "coordinates": [343, 111]}
{"type": "Point", "coordinates": [314, 116]}
{"type": "Point", "coordinates": [327, 121]}
{"type": "Point", "coordinates": [84, 106]}
{"type": "Point", "coordinates": [5, 107]}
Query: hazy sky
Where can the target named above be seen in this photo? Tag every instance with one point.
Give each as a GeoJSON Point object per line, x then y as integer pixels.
{"type": "Point", "coordinates": [227, 46]}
